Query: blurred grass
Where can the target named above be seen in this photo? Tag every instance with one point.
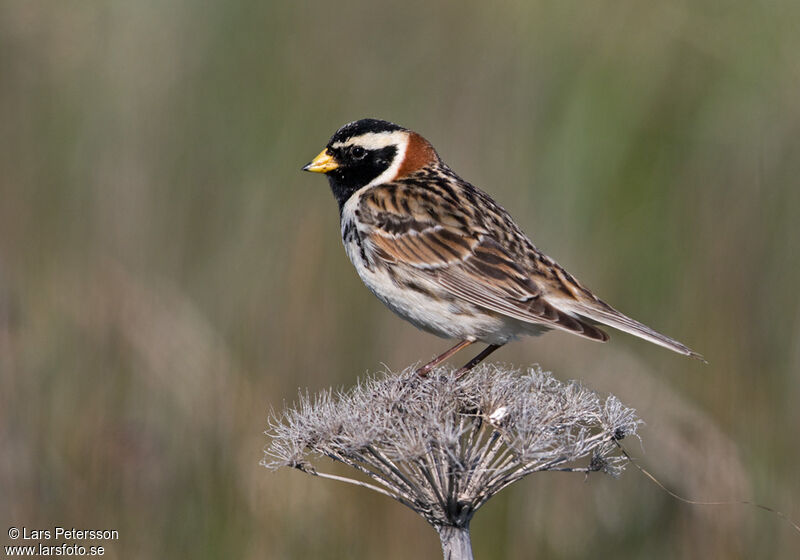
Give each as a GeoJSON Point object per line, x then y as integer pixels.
{"type": "Point", "coordinates": [167, 274]}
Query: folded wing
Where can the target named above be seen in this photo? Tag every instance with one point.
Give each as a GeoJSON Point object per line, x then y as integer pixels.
{"type": "Point", "coordinates": [467, 262]}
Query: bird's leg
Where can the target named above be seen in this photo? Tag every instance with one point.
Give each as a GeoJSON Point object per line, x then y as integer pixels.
{"type": "Point", "coordinates": [477, 359]}
{"type": "Point", "coordinates": [426, 369]}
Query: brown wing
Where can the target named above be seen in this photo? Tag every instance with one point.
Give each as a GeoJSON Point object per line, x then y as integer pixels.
{"type": "Point", "coordinates": [426, 233]}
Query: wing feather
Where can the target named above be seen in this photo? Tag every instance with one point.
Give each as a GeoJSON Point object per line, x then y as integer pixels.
{"type": "Point", "coordinates": [469, 264]}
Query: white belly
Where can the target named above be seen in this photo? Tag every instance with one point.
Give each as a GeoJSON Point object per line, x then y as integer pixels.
{"type": "Point", "coordinates": [432, 311]}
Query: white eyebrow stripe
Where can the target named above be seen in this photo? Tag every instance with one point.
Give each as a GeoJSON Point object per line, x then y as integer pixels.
{"type": "Point", "coordinates": [375, 140]}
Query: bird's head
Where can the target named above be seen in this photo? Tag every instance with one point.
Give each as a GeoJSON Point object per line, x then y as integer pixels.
{"type": "Point", "coordinates": [370, 152]}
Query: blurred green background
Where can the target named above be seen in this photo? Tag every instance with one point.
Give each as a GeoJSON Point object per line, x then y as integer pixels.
{"type": "Point", "coordinates": [167, 274]}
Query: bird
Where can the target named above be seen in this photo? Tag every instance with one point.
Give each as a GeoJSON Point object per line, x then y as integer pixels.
{"type": "Point", "coordinates": [443, 255]}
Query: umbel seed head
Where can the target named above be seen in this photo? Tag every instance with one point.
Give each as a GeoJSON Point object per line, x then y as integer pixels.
{"type": "Point", "coordinates": [443, 445]}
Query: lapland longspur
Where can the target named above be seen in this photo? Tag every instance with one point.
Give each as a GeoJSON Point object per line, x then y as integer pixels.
{"type": "Point", "coordinates": [444, 255]}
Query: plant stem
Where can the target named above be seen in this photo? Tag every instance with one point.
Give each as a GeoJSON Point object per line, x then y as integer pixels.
{"type": "Point", "coordinates": [455, 542]}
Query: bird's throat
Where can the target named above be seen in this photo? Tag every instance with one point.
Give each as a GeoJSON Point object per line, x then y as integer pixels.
{"type": "Point", "coordinates": [342, 190]}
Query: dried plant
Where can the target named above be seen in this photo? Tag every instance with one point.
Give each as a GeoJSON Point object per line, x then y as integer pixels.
{"type": "Point", "coordinates": [443, 446]}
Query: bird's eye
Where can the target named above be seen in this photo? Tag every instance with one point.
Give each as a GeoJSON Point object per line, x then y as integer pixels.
{"type": "Point", "coordinates": [358, 152]}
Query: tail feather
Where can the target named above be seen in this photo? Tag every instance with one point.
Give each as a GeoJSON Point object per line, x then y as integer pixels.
{"type": "Point", "coordinates": [607, 315]}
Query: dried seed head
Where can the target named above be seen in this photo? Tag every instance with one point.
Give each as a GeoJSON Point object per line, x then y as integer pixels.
{"type": "Point", "coordinates": [443, 446]}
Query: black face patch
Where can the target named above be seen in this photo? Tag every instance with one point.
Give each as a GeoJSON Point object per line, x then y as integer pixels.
{"type": "Point", "coordinates": [357, 167]}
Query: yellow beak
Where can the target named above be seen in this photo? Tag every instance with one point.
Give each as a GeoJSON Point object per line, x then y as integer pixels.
{"type": "Point", "coordinates": [323, 163]}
